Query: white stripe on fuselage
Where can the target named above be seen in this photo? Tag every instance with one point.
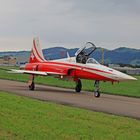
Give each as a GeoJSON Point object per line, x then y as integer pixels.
{"type": "Point", "coordinates": [96, 69]}
{"type": "Point", "coordinates": [86, 67]}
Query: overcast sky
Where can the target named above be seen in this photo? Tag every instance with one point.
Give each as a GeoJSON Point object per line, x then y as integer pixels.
{"type": "Point", "coordinates": [69, 23]}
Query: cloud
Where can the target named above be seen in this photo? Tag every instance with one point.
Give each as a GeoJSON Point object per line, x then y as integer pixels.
{"type": "Point", "coordinates": [109, 23]}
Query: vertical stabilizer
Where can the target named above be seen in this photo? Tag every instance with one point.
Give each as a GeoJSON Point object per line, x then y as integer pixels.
{"type": "Point", "coordinates": [36, 52]}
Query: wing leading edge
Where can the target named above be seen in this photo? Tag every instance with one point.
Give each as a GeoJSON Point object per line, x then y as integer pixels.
{"type": "Point", "coordinates": [36, 72]}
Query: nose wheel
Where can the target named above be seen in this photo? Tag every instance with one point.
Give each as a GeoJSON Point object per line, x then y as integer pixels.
{"type": "Point", "coordinates": [96, 90]}
{"type": "Point", "coordinates": [78, 85]}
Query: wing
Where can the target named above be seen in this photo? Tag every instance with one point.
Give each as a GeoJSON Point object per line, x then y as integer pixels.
{"type": "Point", "coordinates": [36, 72]}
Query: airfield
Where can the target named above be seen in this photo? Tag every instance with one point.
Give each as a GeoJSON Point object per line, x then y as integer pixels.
{"type": "Point", "coordinates": [112, 104]}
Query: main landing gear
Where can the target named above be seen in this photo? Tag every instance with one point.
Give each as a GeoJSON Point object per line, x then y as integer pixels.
{"type": "Point", "coordinates": [96, 86]}
{"type": "Point", "coordinates": [31, 83]}
{"type": "Point", "coordinates": [96, 90]}
{"type": "Point", "coordinates": [78, 85]}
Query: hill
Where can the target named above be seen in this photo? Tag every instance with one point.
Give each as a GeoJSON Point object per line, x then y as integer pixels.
{"type": "Point", "coordinates": [121, 55]}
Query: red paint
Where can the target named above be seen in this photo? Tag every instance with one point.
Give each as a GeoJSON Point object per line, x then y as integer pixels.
{"type": "Point", "coordinates": [64, 70]}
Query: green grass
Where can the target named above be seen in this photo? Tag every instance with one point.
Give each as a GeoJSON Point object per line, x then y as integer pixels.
{"type": "Point", "coordinates": [131, 88]}
{"type": "Point", "coordinates": [22, 118]}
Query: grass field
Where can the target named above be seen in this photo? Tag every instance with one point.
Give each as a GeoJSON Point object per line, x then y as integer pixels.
{"type": "Point", "coordinates": [131, 88]}
{"type": "Point", "coordinates": [22, 118]}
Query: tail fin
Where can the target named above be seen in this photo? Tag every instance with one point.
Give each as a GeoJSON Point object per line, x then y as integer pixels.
{"type": "Point", "coordinates": [36, 52]}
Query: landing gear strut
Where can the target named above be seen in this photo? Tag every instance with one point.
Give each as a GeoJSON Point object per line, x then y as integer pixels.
{"type": "Point", "coordinates": [96, 90]}
{"type": "Point", "coordinates": [78, 85]}
{"type": "Point", "coordinates": [31, 83]}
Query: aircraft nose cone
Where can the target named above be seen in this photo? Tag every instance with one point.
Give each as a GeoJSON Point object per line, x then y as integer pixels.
{"type": "Point", "coordinates": [122, 76]}
{"type": "Point", "coordinates": [125, 77]}
{"type": "Point", "coordinates": [128, 77]}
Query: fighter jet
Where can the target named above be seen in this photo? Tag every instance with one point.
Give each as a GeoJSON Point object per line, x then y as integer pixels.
{"type": "Point", "coordinates": [82, 66]}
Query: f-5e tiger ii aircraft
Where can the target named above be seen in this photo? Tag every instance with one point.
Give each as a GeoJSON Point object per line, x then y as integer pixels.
{"type": "Point", "coordinates": [75, 68]}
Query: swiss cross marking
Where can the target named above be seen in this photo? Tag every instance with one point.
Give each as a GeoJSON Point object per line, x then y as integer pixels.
{"type": "Point", "coordinates": [32, 56]}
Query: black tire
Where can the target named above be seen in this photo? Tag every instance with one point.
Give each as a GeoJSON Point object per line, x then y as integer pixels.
{"type": "Point", "coordinates": [78, 86]}
{"type": "Point", "coordinates": [32, 86]}
{"type": "Point", "coordinates": [96, 94]}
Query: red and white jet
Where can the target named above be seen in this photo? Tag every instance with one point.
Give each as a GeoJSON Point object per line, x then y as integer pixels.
{"type": "Point", "coordinates": [75, 68]}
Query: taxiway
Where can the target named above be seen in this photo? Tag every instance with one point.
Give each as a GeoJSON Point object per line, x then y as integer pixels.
{"type": "Point", "coordinates": [112, 104]}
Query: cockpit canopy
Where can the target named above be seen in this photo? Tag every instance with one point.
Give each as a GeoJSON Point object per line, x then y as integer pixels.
{"type": "Point", "coordinates": [82, 55]}
{"type": "Point", "coordinates": [92, 61]}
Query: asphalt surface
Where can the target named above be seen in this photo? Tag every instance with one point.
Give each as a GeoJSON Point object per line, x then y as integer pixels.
{"type": "Point", "coordinates": [118, 105]}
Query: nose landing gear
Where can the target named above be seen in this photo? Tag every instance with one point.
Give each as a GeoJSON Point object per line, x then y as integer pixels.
{"type": "Point", "coordinates": [96, 90]}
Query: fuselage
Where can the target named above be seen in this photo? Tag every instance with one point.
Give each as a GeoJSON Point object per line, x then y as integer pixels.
{"type": "Point", "coordinates": [69, 67]}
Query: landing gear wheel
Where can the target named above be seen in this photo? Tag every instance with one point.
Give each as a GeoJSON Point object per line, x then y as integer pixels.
{"type": "Point", "coordinates": [31, 82]}
{"type": "Point", "coordinates": [97, 94]}
{"type": "Point", "coordinates": [96, 91]}
{"type": "Point", "coordinates": [78, 85]}
{"type": "Point", "coordinates": [32, 86]}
